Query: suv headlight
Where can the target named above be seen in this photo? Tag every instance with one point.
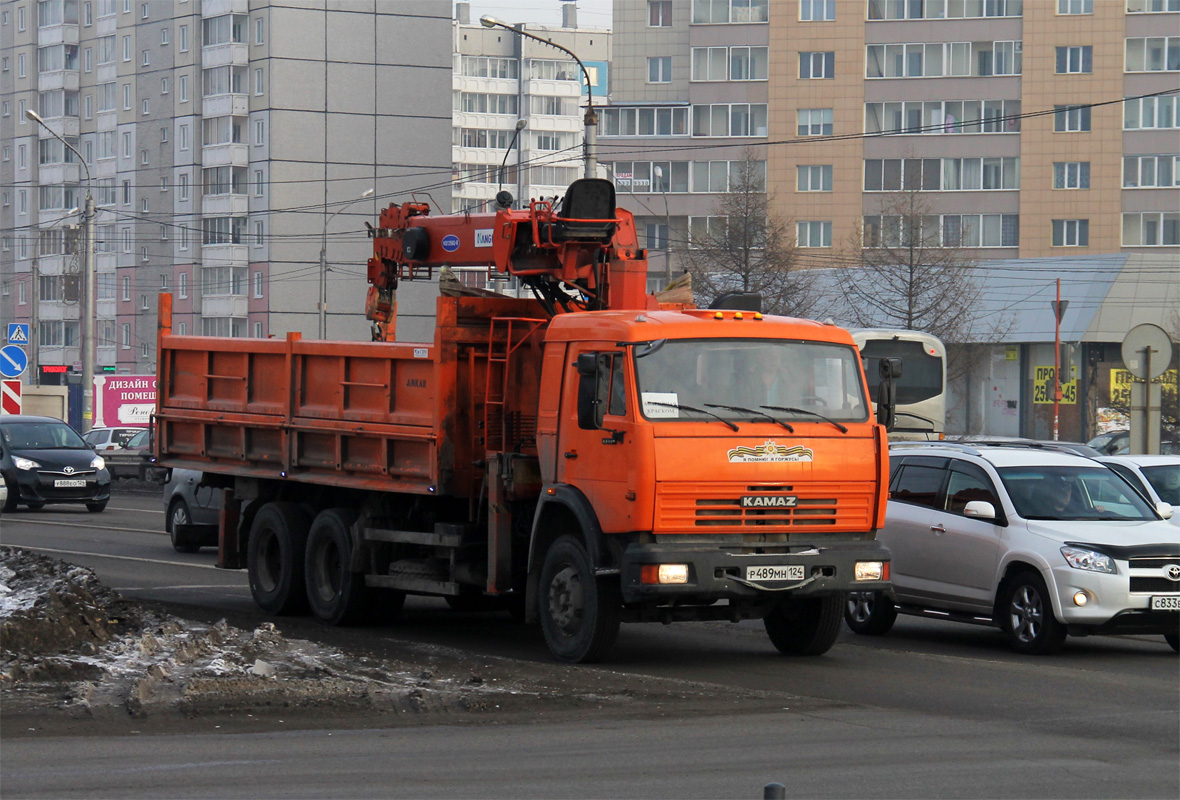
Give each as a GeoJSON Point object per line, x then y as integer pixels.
{"type": "Point", "coordinates": [1089, 560]}
{"type": "Point", "coordinates": [99, 462]}
{"type": "Point", "coordinates": [25, 463]}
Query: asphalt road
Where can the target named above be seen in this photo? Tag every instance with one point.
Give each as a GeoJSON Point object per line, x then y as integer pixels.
{"type": "Point", "coordinates": [931, 710]}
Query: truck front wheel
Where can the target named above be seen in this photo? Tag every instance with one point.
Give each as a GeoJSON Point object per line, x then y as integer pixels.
{"type": "Point", "coordinates": [274, 558]}
{"type": "Point", "coordinates": [579, 614]}
{"type": "Point", "coordinates": [806, 626]}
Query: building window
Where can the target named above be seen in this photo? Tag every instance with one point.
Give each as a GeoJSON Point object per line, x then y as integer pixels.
{"type": "Point", "coordinates": [143, 11]}
{"type": "Point", "coordinates": [165, 85]}
{"type": "Point", "coordinates": [1151, 172]}
{"type": "Point", "coordinates": [164, 181]}
{"type": "Point", "coordinates": [1153, 54]}
{"type": "Point", "coordinates": [1152, 6]}
{"type": "Point", "coordinates": [182, 133]}
{"type": "Point", "coordinates": [21, 69]}
{"type": "Point", "coordinates": [126, 288]}
{"type": "Point", "coordinates": [815, 177]}
{"type": "Point", "coordinates": [737, 119]}
{"type": "Point", "coordinates": [146, 60]}
{"type": "Point", "coordinates": [182, 186]}
{"type": "Point", "coordinates": [259, 132]}
{"type": "Point", "coordinates": [165, 36]}
{"type": "Point", "coordinates": [126, 48]}
{"type": "Point", "coordinates": [1151, 229]}
{"type": "Point", "coordinates": [1143, 113]}
{"type": "Point", "coordinates": [182, 328]}
{"type": "Point", "coordinates": [88, 108]}
{"type": "Point", "coordinates": [1071, 119]}
{"type": "Point", "coordinates": [817, 10]}
{"type": "Point", "coordinates": [258, 284]}
{"type": "Point", "coordinates": [815, 122]}
{"type": "Point", "coordinates": [1071, 233]}
{"type": "Point", "coordinates": [258, 31]}
{"type": "Point", "coordinates": [126, 335]}
{"type": "Point", "coordinates": [126, 144]}
{"type": "Point", "coordinates": [645, 122]}
{"type": "Point", "coordinates": [937, 9]}
{"type": "Point", "coordinates": [719, 12]}
{"type": "Point", "coordinates": [813, 234]}
{"type": "Point", "coordinates": [258, 330]}
{"type": "Point", "coordinates": [143, 157]}
{"type": "Point", "coordinates": [126, 97]}
{"type": "Point", "coordinates": [258, 183]}
{"type": "Point", "coordinates": [730, 64]}
{"type": "Point", "coordinates": [87, 60]}
{"type": "Point", "coordinates": [1075, 6]}
{"type": "Point", "coordinates": [1071, 175]}
{"type": "Point", "coordinates": [259, 239]}
{"type": "Point", "coordinates": [817, 65]}
{"type": "Point", "coordinates": [146, 105]}
{"type": "Point", "coordinates": [164, 238]}
{"type": "Point", "coordinates": [659, 13]}
{"type": "Point", "coordinates": [659, 69]}
{"type": "Point", "coordinates": [1075, 60]}
{"type": "Point", "coordinates": [182, 285]}
{"type": "Point", "coordinates": [182, 85]}
{"type": "Point", "coordinates": [184, 38]}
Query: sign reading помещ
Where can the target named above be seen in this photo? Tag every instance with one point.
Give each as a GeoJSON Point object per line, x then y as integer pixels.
{"type": "Point", "coordinates": [124, 400]}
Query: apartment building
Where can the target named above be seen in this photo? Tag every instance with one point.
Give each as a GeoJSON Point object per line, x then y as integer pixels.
{"type": "Point", "coordinates": [1033, 128]}
{"type": "Point", "coordinates": [519, 107]}
{"type": "Point", "coordinates": [234, 149]}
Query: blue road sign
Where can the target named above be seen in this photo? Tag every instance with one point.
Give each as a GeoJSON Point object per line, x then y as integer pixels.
{"type": "Point", "coordinates": [18, 333]}
{"type": "Point", "coordinates": [13, 361]}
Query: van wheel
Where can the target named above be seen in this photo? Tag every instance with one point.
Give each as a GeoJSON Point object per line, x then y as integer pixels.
{"type": "Point", "coordinates": [806, 626]}
{"type": "Point", "coordinates": [869, 613]}
{"type": "Point", "coordinates": [1027, 616]}
{"type": "Point", "coordinates": [337, 595]}
{"type": "Point", "coordinates": [275, 557]}
{"type": "Point", "coordinates": [178, 514]}
{"type": "Point", "coordinates": [580, 615]}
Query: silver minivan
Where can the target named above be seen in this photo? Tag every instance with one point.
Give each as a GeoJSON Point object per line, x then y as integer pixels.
{"type": "Point", "coordinates": [1040, 543]}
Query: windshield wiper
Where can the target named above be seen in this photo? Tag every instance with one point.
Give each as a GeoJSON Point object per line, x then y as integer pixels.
{"type": "Point", "coordinates": [649, 347]}
{"type": "Point", "coordinates": [691, 408]}
{"type": "Point", "coordinates": [805, 411]}
{"type": "Point", "coordinates": [751, 411]}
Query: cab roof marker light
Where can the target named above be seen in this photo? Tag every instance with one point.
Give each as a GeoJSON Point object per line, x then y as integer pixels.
{"type": "Point", "coordinates": [757, 315]}
{"type": "Point", "coordinates": [737, 315]}
{"type": "Point", "coordinates": [718, 315]}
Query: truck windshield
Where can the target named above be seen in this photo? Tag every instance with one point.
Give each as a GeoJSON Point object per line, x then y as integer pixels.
{"type": "Point", "coordinates": [746, 374]}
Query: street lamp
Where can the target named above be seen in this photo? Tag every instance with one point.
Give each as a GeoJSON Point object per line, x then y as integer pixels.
{"type": "Point", "coordinates": [88, 288]}
{"type": "Point", "coordinates": [324, 263]}
{"type": "Point", "coordinates": [590, 142]}
{"type": "Point", "coordinates": [520, 123]}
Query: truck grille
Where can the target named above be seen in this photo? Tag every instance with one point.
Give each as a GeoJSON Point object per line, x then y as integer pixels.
{"type": "Point", "coordinates": [719, 509]}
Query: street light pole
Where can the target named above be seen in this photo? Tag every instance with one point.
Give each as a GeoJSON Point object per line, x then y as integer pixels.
{"type": "Point", "coordinates": [324, 263]}
{"type": "Point", "coordinates": [590, 120]}
{"type": "Point", "coordinates": [88, 283]}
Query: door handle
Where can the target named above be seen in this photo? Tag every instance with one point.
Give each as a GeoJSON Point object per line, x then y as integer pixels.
{"type": "Point", "coordinates": [938, 528]}
{"type": "Point", "coordinates": [571, 454]}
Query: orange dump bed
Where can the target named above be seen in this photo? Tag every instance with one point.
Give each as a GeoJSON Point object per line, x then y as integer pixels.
{"type": "Point", "coordinates": [394, 416]}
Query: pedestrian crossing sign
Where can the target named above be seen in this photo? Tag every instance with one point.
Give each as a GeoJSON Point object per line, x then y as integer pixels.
{"type": "Point", "coordinates": [18, 333]}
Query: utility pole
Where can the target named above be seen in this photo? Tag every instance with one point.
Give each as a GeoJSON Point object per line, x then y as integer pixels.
{"type": "Point", "coordinates": [590, 120]}
{"type": "Point", "coordinates": [88, 284]}
{"type": "Point", "coordinates": [324, 263]}
{"type": "Point", "coordinates": [1058, 310]}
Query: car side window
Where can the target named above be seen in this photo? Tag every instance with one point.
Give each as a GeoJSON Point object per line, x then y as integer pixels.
{"type": "Point", "coordinates": [918, 485]}
{"type": "Point", "coordinates": [963, 488]}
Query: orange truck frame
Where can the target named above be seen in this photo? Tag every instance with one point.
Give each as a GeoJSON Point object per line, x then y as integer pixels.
{"type": "Point", "coordinates": [585, 458]}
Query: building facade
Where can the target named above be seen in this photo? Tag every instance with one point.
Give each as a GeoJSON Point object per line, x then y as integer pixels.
{"type": "Point", "coordinates": [233, 147]}
{"type": "Point", "coordinates": [1031, 129]}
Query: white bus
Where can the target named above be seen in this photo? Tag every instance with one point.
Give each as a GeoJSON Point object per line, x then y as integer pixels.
{"type": "Point", "coordinates": [921, 389]}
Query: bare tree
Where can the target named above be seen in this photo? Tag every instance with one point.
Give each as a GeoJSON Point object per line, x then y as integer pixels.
{"type": "Point", "coordinates": [747, 247]}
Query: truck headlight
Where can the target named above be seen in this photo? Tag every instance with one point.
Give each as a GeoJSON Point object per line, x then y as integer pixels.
{"type": "Point", "coordinates": [25, 463]}
{"type": "Point", "coordinates": [871, 571]}
{"type": "Point", "coordinates": [1089, 560]}
{"type": "Point", "coordinates": [664, 573]}
{"type": "Point", "coordinates": [99, 462]}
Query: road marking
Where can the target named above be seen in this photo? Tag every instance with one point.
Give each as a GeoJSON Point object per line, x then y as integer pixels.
{"type": "Point", "coordinates": [92, 527]}
{"type": "Point", "coordinates": [116, 558]}
{"type": "Point", "coordinates": [141, 510]}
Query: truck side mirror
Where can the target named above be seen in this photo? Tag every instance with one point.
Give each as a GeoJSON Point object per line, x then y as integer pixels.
{"type": "Point", "coordinates": [888, 369]}
{"type": "Point", "coordinates": [594, 372]}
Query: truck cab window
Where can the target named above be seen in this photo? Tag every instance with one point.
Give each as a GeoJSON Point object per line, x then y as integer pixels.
{"type": "Point", "coordinates": [618, 387]}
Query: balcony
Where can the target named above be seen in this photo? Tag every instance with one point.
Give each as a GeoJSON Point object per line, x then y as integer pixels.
{"type": "Point", "coordinates": [225, 55]}
{"type": "Point", "coordinates": [67, 79]}
{"type": "Point", "coordinates": [225, 155]}
{"type": "Point", "coordinates": [223, 105]}
{"type": "Point", "coordinates": [224, 255]}
{"type": "Point", "coordinates": [228, 305]}
{"type": "Point", "coordinates": [224, 205]}
{"type": "Point", "coordinates": [217, 8]}
{"type": "Point", "coordinates": [65, 127]}
{"type": "Point", "coordinates": [105, 73]}
{"type": "Point", "coordinates": [53, 174]}
{"type": "Point", "coordinates": [64, 33]}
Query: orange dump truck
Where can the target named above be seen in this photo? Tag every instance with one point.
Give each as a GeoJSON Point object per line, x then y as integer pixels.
{"type": "Point", "coordinates": [586, 467]}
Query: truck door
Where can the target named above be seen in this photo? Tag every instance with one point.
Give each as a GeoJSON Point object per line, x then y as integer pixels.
{"type": "Point", "coordinates": [601, 461]}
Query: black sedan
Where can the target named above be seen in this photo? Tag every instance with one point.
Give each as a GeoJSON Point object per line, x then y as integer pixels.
{"type": "Point", "coordinates": [44, 460]}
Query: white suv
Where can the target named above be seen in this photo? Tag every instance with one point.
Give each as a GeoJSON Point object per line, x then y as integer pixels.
{"type": "Point", "coordinates": [1040, 543]}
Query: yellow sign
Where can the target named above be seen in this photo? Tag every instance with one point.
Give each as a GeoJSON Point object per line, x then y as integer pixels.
{"type": "Point", "coordinates": [1011, 353]}
{"type": "Point", "coordinates": [1043, 388]}
{"type": "Point", "coordinates": [1120, 386]}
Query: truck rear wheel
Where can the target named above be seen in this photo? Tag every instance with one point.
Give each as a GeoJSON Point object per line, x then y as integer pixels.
{"type": "Point", "coordinates": [580, 615]}
{"type": "Point", "coordinates": [274, 558]}
{"type": "Point", "coordinates": [337, 595]}
{"type": "Point", "coordinates": [806, 626]}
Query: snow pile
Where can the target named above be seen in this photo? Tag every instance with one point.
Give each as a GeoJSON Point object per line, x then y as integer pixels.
{"type": "Point", "coordinates": [70, 643]}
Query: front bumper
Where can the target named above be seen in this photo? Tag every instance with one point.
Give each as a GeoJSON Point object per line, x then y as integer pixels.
{"type": "Point", "coordinates": [31, 486]}
{"type": "Point", "coordinates": [1111, 607]}
{"type": "Point", "coordinates": [718, 572]}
